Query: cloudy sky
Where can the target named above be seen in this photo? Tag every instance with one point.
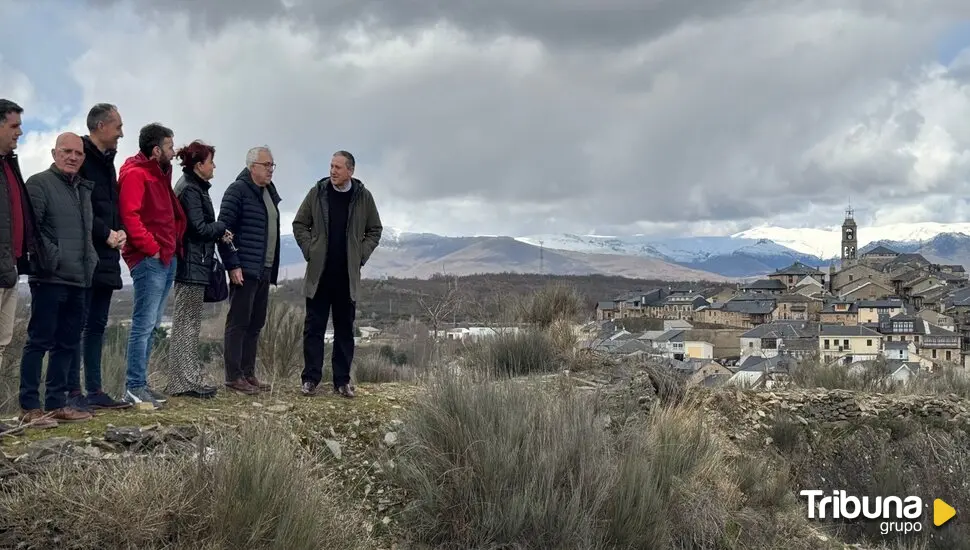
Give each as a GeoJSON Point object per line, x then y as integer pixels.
{"type": "Point", "coordinates": [514, 118]}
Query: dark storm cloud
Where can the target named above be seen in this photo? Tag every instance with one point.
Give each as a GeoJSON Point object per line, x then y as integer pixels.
{"type": "Point", "coordinates": [620, 113]}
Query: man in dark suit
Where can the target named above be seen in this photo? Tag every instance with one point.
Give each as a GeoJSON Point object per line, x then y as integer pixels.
{"type": "Point", "coordinates": [100, 145]}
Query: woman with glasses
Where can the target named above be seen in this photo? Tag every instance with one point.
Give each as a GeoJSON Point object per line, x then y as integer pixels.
{"type": "Point", "coordinates": [186, 373]}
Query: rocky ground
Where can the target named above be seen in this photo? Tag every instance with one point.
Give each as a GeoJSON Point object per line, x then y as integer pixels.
{"type": "Point", "coordinates": [349, 437]}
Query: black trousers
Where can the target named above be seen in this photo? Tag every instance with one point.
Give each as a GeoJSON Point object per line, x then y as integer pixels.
{"type": "Point", "coordinates": [247, 315]}
{"type": "Point", "coordinates": [97, 304]}
{"type": "Point", "coordinates": [331, 297]}
{"type": "Point", "coordinates": [54, 328]}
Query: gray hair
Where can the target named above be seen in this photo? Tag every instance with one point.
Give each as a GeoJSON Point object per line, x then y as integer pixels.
{"type": "Point", "coordinates": [253, 154]}
{"type": "Point", "coordinates": [101, 112]}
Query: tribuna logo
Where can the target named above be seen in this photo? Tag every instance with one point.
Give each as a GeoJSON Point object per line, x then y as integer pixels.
{"type": "Point", "coordinates": [907, 511]}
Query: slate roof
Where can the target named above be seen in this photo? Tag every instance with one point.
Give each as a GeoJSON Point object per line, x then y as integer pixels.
{"type": "Point", "coordinates": [776, 364]}
{"type": "Point", "coordinates": [841, 330]}
{"type": "Point", "coordinates": [797, 268]}
{"type": "Point", "coordinates": [790, 298]}
{"type": "Point", "coordinates": [881, 251]}
{"type": "Point", "coordinates": [765, 284]}
{"type": "Point", "coordinates": [747, 306]}
{"type": "Point", "coordinates": [783, 330]}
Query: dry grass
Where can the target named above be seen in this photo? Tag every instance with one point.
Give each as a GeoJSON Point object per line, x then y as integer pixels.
{"type": "Point", "coordinates": [280, 351]}
{"type": "Point", "coordinates": [502, 464]}
{"type": "Point", "coordinates": [257, 489]}
{"type": "Point", "coordinates": [873, 379]}
{"type": "Point", "coordinates": [374, 366]}
{"type": "Point", "coordinates": [520, 353]}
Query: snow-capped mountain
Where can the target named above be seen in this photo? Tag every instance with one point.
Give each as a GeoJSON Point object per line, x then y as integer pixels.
{"type": "Point", "coordinates": [825, 242]}
{"type": "Point", "coordinates": [728, 256]}
{"type": "Point", "coordinates": [752, 253]}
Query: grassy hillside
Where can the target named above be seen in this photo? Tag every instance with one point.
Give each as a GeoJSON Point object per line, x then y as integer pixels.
{"type": "Point", "coordinates": [514, 442]}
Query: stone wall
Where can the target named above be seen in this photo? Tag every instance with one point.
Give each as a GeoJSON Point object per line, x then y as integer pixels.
{"type": "Point", "coordinates": [814, 406]}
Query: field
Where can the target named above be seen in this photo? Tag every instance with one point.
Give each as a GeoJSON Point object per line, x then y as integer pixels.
{"type": "Point", "coordinates": [518, 441]}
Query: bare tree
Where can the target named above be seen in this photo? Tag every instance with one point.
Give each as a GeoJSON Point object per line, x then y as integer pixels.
{"type": "Point", "coordinates": [439, 306]}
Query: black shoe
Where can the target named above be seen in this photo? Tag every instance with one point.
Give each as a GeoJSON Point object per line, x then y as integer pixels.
{"type": "Point", "coordinates": [101, 400]}
{"type": "Point", "coordinates": [202, 393]}
{"type": "Point", "coordinates": [308, 388]}
{"type": "Point", "coordinates": [79, 402]}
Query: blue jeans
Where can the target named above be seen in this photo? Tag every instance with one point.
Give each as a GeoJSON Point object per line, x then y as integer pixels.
{"type": "Point", "coordinates": [152, 283]}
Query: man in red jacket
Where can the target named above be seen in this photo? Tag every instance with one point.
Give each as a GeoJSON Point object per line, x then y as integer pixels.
{"type": "Point", "coordinates": [155, 222]}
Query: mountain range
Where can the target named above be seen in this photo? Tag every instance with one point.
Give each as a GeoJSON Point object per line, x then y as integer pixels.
{"type": "Point", "coordinates": [744, 255]}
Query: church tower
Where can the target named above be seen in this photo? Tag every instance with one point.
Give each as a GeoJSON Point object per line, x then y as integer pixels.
{"type": "Point", "coordinates": [850, 239]}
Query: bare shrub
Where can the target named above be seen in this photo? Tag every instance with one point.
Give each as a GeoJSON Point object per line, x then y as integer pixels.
{"type": "Point", "coordinates": [517, 353]}
{"type": "Point", "coordinates": [552, 303]}
{"type": "Point", "coordinates": [376, 367]}
{"type": "Point", "coordinates": [834, 375]}
{"type": "Point", "coordinates": [254, 490]}
{"type": "Point", "coordinates": [563, 337]}
{"type": "Point", "coordinates": [873, 377]}
{"type": "Point", "coordinates": [497, 464]}
{"type": "Point", "coordinates": [941, 381]}
{"type": "Point", "coordinates": [10, 369]}
{"type": "Point", "coordinates": [281, 342]}
{"type": "Point", "coordinates": [508, 465]}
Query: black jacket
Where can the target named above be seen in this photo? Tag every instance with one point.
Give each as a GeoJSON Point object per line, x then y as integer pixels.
{"type": "Point", "coordinates": [201, 232]}
{"type": "Point", "coordinates": [62, 208]}
{"type": "Point", "coordinates": [99, 169]}
{"type": "Point", "coordinates": [11, 270]}
{"type": "Point", "coordinates": [243, 212]}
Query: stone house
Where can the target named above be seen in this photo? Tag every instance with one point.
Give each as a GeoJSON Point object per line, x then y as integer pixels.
{"type": "Point", "coordinates": [852, 343]}
{"type": "Point", "coordinates": [795, 275]}
{"type": "Point", "coordinates": [797, 307]}
{"type": "Point", "coordinates": [870, 310]}
{"type": "Point", "coordinates": [840, 312]}
{"type": "Point", "coordinates": [764, 286]}
{"type": "Point", "coordinates": [739, 312]}
{"type": "Point", "coordinates": [856, 274]}
{"type": "Point", "coordinates": [798, 338]}
{"type": "Point", "coordinates": [931, 342]}
{"type": "Point", "coordinates": [865, 290]}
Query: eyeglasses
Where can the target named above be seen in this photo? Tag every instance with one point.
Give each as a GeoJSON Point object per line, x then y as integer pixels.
{"type": "Point", "coordinates": [267, 165]}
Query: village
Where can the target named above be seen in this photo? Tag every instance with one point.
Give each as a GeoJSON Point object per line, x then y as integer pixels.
{"type": "Point", "coordinates": [894, 311]}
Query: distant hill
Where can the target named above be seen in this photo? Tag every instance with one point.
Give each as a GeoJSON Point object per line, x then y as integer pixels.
{"type": "Point", "coordinates": [423, 255]}
{"type": "Point", "coordinates": [945, 248]}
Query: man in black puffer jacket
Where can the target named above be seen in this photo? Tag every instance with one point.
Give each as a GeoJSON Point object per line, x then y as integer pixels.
{"type": "Point", "coordinates": [61, 201]}
{"type": "Point", "coordinates": [250, 211]}
{"type": "Point", "coordinates": [104, 126]}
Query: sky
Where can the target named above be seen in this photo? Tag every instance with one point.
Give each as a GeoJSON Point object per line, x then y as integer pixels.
{"type": "Point", "coordinates": [615, 117]}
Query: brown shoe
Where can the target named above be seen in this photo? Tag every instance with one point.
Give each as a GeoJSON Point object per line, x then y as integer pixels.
{"type": "Point", "coordinates": [263, 386]}
{"type": "Point", "coordinates": [345, 391]}
{"type": "Point", "coordinates": [36, 418]}
{"type": "Point", "coordinates": [67, 414]}
{"type": "Point", "coordinates": [240, 385]}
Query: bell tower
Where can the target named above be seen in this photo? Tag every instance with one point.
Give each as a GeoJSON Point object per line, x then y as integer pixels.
{"type": "Point", "coordinates": [850, 239]}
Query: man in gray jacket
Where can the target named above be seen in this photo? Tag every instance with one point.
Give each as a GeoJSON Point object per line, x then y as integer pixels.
{"type": "Point", "coordinates": [337, 227]}
{"type": "Point", "coordinates": [66, 262]}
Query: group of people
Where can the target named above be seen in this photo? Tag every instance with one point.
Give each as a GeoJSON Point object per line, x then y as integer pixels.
{"type": "Point", "coordinates": [68, 228]}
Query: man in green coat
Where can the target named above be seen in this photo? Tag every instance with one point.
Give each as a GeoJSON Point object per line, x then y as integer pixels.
{"type": "Point", "coordinates": [337, 227]}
